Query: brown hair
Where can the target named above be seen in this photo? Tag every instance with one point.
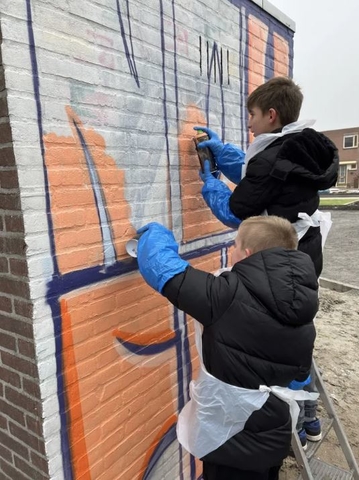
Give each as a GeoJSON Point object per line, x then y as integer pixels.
{"type": "Point", "coordinates": [259, 233]}
{"type": "Point", "coordinates": [280, 93]}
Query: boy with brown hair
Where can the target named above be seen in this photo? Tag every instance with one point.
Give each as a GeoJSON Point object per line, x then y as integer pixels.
{"type": "Point", "coordinates": [280, 174]}
{"type": "Point", "coordinates": [258, 335]}
{"type": "Point", "coordinates": [282, 171]}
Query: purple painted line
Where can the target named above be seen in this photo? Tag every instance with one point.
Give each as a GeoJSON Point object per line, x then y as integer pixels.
{"type": "Point", "coordinates": [54, 305]}
{"type": "Point", "coordinates": [131, 60]}
{"type": "Point", "coordinates": [215, 58]}
{"type": "Point", "coordinates": [108, 242]}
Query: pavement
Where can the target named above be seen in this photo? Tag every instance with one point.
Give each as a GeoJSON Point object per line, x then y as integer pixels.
{"type": "Point", "coordinates": [341, 252]}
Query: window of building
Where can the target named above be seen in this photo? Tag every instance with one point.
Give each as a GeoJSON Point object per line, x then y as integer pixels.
{"type": "Point", "coordinates": [350, 141]}
{"type": "Point", "coordinates": [342, 175]}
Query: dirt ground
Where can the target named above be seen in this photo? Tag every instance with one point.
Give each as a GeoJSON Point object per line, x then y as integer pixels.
{"type": "Point", "coordinates": [337, 344]}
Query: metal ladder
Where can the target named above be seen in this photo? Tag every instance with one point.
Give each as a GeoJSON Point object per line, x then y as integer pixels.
{"type": "Point", "coordinates": [312, 468]}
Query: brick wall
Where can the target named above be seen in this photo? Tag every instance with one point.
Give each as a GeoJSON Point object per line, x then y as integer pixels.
{"type": "Point", "coordinates": [102, 100]}
{"type": "Point", "coordinates": [22, 452]}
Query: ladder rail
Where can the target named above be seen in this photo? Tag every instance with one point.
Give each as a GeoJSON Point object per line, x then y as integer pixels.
{"type": "Point", "coordinates": [301, 458]}
{"type": "Point", "coordinates": [329, 406]}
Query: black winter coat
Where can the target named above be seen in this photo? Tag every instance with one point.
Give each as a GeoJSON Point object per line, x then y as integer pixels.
{"type": "Point", "coordinates": [258, 330]}
{"type": "Point", "coordinates": [284, 179]}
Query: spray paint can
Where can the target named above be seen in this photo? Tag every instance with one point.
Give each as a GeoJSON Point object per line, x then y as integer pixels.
{"type": "Point", "coordinates": [131, 246]}
{"type": "Point", "coordinates": [204, 153]}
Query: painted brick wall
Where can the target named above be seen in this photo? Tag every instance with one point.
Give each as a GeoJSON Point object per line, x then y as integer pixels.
{"type": "Point", "coordinates": [97, 104]}
{"type": "Point", "coordinates": [22, 452]}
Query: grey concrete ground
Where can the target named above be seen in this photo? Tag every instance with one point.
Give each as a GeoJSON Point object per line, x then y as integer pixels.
{"type": "Point", "coordinates": [341, 252]}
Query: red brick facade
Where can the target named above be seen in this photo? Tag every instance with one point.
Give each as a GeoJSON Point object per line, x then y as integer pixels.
{"type": "Point", "coordinates": [347, 142]}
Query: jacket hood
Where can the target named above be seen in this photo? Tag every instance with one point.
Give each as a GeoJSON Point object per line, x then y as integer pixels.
{"type": "Point", "coordinates": [310, 155]}
{"type": "Point", "coordinates": [283, 282]}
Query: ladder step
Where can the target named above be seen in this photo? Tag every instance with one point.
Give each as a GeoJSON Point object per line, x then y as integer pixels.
{"type": "Point", "coordinates": [323, 471]}
{"type": "Point", "coordinates": [326, 424]}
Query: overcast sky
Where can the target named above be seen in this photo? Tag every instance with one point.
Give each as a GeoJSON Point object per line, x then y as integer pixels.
{"type": "Point", "coordinates": [326, 60]}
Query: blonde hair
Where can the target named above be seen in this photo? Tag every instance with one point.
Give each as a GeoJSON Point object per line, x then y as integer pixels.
{"type": "Point", "coordinates": [259, 233]}
{"type": "Point", "coordinates": [280, 93]}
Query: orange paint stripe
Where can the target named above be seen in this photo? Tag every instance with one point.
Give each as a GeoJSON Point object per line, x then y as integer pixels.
{"type": "Point", "coordinates": [144, 339]}
{"type": "Point", "coordinates": [79, 457]}
{"type": "Point", "coordinates": [166, 426]}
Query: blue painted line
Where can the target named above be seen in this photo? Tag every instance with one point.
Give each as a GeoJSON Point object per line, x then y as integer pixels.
{"type": "Point", "coordinates": [36, 86]}
{"type": "Point", "coordinates": [68, 282]}
{"type": "Point", "coordinates": [175, 67]}
{"type": "Point", "coordinates": [187, 380]}
{"type": "Point", "coordinates": [269, 56]}
{"type": "Point", "coordinates": [212, 235]}
{"type": "Point", "coordinates": [164, 103]}
{"type": "Point", "coordinates": [180, 380]}
{"type": "Point", "coordinates": [168, 438]}
{"type": "Point", "coordinates": [65, 449]}
{"type": "Point", "coordinates": [131, 60]}
{"type": "Point", "coordinates": [216, 59]}
{"type": "Point", "coordinates": [108, 242]}
{"type": "Point", "coordinates": [67, 461]}
{"type": "Point", "coordinates": [149, 349]}
{"type": "Point", "coordinates": [204, 251]}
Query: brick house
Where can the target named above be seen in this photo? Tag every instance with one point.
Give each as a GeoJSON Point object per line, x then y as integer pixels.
{"type": "Point", "coordinates": [346, 140]}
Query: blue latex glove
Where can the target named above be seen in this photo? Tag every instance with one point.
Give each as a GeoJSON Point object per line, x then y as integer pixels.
{"type": "Point", "coordinates": [230, 162]}
{"type": "Point", "coordinates": [214, 143]}
{"type": "Point", "coordinates": [296, 385]}
{"type": "Point", "coordinates": [216, 195]}
{"type": "Point", "coordinates": [228, 157]}
{"type": "Point", "coordinates": [157, 255]}
{"type": "Point", "coordinates": [207, 175]}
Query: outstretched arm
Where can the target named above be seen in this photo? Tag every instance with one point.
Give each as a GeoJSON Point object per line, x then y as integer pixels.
{"type": "Point", "coordinates": [200, 294]}
{"type": "Point", "coordinates": [217, 196]}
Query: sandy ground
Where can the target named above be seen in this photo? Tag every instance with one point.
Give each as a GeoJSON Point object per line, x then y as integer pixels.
{"type": "Point", "coordinates": [337, 344]}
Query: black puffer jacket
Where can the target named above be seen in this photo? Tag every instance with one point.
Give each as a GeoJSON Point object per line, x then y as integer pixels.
{"type": "Point", "coordinates": [284, 179]}
{"type": "Point", "coordinates": [258, 330]}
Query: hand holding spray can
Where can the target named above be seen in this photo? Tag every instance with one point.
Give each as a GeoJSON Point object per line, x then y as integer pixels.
{"type": "Point", "coordinates": [204, 153]}
{"type": "Point", "coordinates": [131, 246]}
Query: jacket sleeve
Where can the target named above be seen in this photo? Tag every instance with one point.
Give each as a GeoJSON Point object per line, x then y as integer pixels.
{"type": "Point", "coordinates": [230, 162]}
{"type": "Point", "coordinates": [256, 191]}
{"type": "Point", "coordinates": [200, 294]}
{"type": "Point", "coordinates": [217, 194]}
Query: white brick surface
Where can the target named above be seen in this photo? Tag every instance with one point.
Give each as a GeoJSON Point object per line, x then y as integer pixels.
{"type": "Point", "coordinates": [82, 66]}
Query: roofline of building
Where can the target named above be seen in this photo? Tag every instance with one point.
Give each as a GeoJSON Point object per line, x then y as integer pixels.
{"type": "Point", "coordinates": [276, 13]}
{"type": "Point", "coordinates": [348, 129]}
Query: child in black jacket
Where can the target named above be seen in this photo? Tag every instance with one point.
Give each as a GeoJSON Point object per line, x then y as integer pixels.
{"type": "Point", "coordinates": [282, 170]}
{"type": "Point", "coordinates": [258, 330]}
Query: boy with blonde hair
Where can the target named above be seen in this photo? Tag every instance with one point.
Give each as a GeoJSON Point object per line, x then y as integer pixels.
{"type": "Point", "coordinates": [259, 233]}
{"type": "Point", "coordinates": [257, 331]}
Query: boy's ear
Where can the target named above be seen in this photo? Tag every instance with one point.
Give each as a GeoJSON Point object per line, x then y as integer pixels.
{"type": "Point", "coordinates": [248, 252]}
{"type": "Point", "coordinates": [273, 115]}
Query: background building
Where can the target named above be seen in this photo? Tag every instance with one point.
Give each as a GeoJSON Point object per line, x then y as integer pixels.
{"type": "Point", "coordinates": [346, 140]}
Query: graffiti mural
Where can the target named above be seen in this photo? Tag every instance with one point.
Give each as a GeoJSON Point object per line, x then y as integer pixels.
{"type": "Point", "coordinates": [117, 152]}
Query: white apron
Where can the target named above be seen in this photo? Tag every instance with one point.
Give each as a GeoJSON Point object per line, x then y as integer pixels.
{"type": "Point", "coordinates": [323, 220]}
{"type": "Point", "coordinates": [217, 411]}
{"type": "Point", "coordinates": [318, 219]}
